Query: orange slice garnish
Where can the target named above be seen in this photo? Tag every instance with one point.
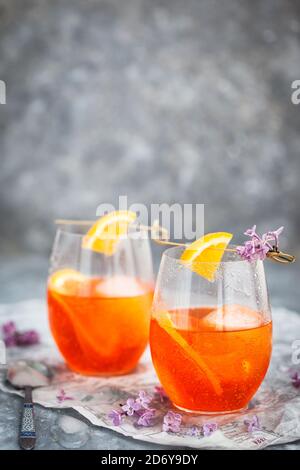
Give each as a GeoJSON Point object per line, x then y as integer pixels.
{"type": "Point", "coordinates": [204, 255]}
{"type": "Point", "coordinates": [105, 234]}
{"type": "Point", "coordinates": [66, 281]}
{"type": "Point", "coordinates": [165, 322]}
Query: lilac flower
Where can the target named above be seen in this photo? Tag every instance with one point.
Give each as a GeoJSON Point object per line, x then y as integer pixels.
{"type": "Point", "coordinates": [9, 334]}
{"type": "Point", "coordinates": [251, 232]}
{"type": "Point", "coordinates": [62, 396]}
{"type": "Point", "coordinates": [131, 406]}
{"type": "Point", "coordinates": [10, 341]}
{"type": "Point", "coordinates": [253, 250]}
{"type": "Point", "coordinates": [12, 337]}
{"type": "Point", "coordinates": [9, 328]}
{"type": "Point", "coordinates": [273, 236]}
{"type": "Point", "coordinates": [159, 390]}
{"type": "Point", "coordinates": [28, 338]}
{"type": "Point", "coordinates": [146, 418]}
{"type": "Point", "coordinates": [258, 247]}
{"type": "Point", "coordinates": [115, 417]}
{"type": "Point", "coordinates": [144, 399]}
{"type": "Point", "coordinates": [194, 431]}
{"type": "Point", "coordinates": [209, 428]}
{"type": "Point", "coordinates": [252, 424]}
{"type": "Point", "coordinates": [295, 377]}
{"type": "Point", "coordinates": [172, 422]}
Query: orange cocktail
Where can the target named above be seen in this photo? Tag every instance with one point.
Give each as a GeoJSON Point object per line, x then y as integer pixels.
{"type": "Point", "coordinates": [100, 293]}
{"type": "Point", "coordinates": [211, 329]}
{"type": "Point", "coordinates": [101, 326]}
{"type": "Point", "coordinates": [219, 356]}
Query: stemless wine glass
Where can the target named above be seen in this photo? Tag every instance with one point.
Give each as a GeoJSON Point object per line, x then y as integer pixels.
{"type": "Point", "coordinates": [211, 341]}
{"type": "Point", "coordinates": [99, 305]}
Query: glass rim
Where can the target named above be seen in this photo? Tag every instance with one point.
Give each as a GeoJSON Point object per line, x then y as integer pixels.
{"type": "Point", "coordinates": [174, 252]}
{"type": "Point", "coordinates": [76, 230]}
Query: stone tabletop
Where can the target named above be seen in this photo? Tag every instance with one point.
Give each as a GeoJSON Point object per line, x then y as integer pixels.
{"type": "Point", "coordinates": [23, 278]}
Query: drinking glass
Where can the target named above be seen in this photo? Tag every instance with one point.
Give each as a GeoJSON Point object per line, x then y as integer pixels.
{"type": "Point", "coordinates": [99, 305]}
{"type": "Point", "coordinates": [211, 341]}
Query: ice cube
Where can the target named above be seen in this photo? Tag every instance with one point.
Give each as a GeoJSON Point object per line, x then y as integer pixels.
{"type": "Point", "coordinates": [233, 318]}
{"type": "Point", "coordinates": [120, 286]}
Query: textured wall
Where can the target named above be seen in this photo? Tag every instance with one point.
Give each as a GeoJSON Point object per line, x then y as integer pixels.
{"type": "Point", "coordinates": [162, 100]}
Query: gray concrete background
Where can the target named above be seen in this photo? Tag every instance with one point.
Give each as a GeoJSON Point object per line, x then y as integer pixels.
{"type": "Point", "coordinates": [161, 100]}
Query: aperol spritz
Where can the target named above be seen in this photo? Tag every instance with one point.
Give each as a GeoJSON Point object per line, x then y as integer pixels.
{"type": "Point", "coordinates": [210, 339]}
{"type": "Point", "coordinates": [99, 304]}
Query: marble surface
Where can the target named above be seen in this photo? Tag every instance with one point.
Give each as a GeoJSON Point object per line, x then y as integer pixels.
{"type": "Point", "coordinates": [24, 278]}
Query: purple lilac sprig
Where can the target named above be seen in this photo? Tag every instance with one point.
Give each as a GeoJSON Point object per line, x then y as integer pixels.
{"type": "Point", "coordinates": [172, 422]}
{"type": "Point", "coordinates": [115, 417]}
{"type": "Point", "coordinates": [146, 418]}
{"type": "Point", "coordinates": [194, 431]}
{"type": "Point", "coordinates": [258, 246]}
{"type": "Point", "coordinates": [131, 406]}
{"type": "Point", "coordinates": [209, 428]}
{"type": "Point", "coordinates": [206, 430]}
{"type": "Point", "coordinates": [138, 407]}
{"type": "Point", "coordinates": [9, 331]}
{"type": "Point", "coordinates": [12, 337]}
{"type": "Point", "coordinates": [28, 338]}
{"type": "Point", "coordinates": [144, 400]}
{"type": "Point", "coordinates": [62, 396]}
{"type": "Point", "coordinates": [252, 424]}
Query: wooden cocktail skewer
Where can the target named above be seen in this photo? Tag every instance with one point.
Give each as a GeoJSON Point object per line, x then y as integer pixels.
{"type": "Point", "coordinates": [274, 254]}
{"type": "Point", "coordinates": [73, 222]}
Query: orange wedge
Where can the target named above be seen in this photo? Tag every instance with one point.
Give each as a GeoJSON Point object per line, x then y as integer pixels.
{"type": "Point", "coordinates": [66, 281]}
{"type": "Point", "coordinates": [105, 234]}
{"type": "Point", "coordinates": [164, 320]}
{"type": "Point", "coordinates": [204, 255]}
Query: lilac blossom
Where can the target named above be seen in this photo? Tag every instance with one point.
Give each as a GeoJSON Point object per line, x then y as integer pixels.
{"type": "Point", "coordinates": [62, 396]}
{"type": "Point", "coordinates": [144, 399]}
{"type": "Point", "coordinates": [258, 247]}
{"type": "Point", "coordinates": [272, 236]}
{"type": "Point", "coordinates": [194, 431]}
{"type": "Point", "coordinates": [209, 428]}
{"type": "Point", "coordinates": [10, 341]}
{"type": "Point", "coordinates": [295, 377]}
{"type": "Point", "coordinates": [9, 331]}
{"type": "Point", "coordinates": [28, 338]}
{"type": "Point", "coordinates": [138, 407]}
{"type": "Point", "coordinates": [12, 337]}
{"type": "Point", "coordinates": [146, 418]}
{"type": "Point", "coordinates": [115, 417]}
{"type": "Point", "coordinates": [9, 328]}
{"type": "Point", "coordinates": [172, 422]}
{"type": "Point", "coordinates": [131, 406]}
{"type": "Point", "coordinates": [252, 424]}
